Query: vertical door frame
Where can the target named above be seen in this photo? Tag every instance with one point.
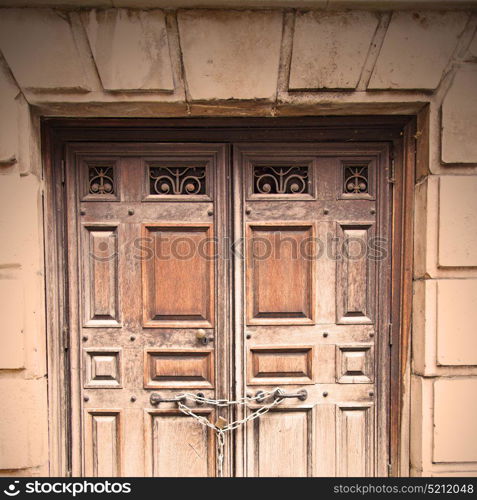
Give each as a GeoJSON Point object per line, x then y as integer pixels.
{"type": "Point", "coordinates": [57, 133]}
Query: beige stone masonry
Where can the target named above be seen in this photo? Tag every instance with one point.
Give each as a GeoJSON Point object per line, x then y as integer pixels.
{"type": "Point", "coordinates": [251, 63]}
{"type": "Point", "coordinates": [231, 54]}
{"type": "Point", "coordinates": [444, 215]}
{"type": "Point", "coordinates": [145, 78]}
{"type": "Point", "coordinates": [21, 259]}
{"type": "Point", "coordinates": [9, 119]}
{"type": "Point", "coordinates": [455, 415]}
{"type": "Point", "coordinates": [40, 49]}
{"type": "Point", "coordinates": [457, 245]}
{"type": "Point", "coordinates": [416, 49]}
{"type": "Point", "coordinates": [23, 426]}
{"type": "Point", "coordinates": [443, 414]}
{"type": "Point", "coordinates": [131, 49]}
{"type": "Point", "coordinates": [459, 118]}
{"type": "Point", "coordinates": [472, 53]}
{"type": "Point", "coordinates": [330, 49]}
{"type": "Point", "coordinates": [444, 341]}
{"type": "Point", "coordinates": [12, 313]}
{"type": "Point", "coordinates": [456, 335]}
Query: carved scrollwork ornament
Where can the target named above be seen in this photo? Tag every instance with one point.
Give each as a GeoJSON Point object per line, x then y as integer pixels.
{"type": "Point", "coordinates": [101, 180]}
{"type": "Point", "coordinates": [356, 180]}
{"type": "Point", "coordinates": [280, 180]}
{"type": "Point", "coordinates": [177, 180]}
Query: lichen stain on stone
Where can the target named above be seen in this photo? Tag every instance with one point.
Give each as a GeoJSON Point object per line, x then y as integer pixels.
{"type": "Point", "coordinates": [423, 21]}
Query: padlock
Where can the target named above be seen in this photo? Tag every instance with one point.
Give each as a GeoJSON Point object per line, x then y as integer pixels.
{"type": "Point", "coordinates": [221, 422]}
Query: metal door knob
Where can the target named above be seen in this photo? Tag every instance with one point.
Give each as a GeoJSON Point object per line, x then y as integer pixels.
{"type": "Point", "coordinates": [201, 336]}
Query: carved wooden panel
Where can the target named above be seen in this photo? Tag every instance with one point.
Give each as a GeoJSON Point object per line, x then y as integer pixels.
{"type": "Point", "coordinates": [102, 443]}
{"type": "Point", "coordinates": [101, 287]}
{"type": "Point", "coordinates": [177, 446]}
{"type": "Point", "coordinates": [193, 368]}
{"type": "Point", "coordinates": [355, 438]}
{"type": "Point", "coordinates": [280, 274]}
{"type": "Point", "coordinates": [354, 364]}
{"type": "Point", "coordinates": [102, 368]}
{"type": "Point", "coordinates": [355, 275]}
{"type": "Point", "coordinates": [280, 365]}
{"type": "Point", "coordinates": [282, 443]}
{"type": "Point", "coordinates": [178, 276]}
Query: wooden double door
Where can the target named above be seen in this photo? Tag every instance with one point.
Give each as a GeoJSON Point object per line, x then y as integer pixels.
{"type": "Point", "coordinates": [224, 270]}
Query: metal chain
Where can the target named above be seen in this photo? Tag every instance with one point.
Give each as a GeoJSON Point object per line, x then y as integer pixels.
{"type": "Point", "coordinates": [225, 402]}
{"type": "Point", "coordinates": [220, 431]}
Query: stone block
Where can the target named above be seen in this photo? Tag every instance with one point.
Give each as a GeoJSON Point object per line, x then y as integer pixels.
{"type": "Point", "coordinates": [423, 326]}
{"type": "Point", "coordinates": [444, 341]}
{"type": "Point", "coordinates": [230, 54]}
{"type": "Point", "coordinates": [24, 423]}
{"type": "Point", "coordinates": [11, 333]}
{"type": "Point", "coordinates": [472, 52]}
{"type": "Point", "coordinates": [457, 221]}
{"type": "Point", "coordinates": [459, 118]}
{"type": "Point", "coordinates": [20, 220]}
{"type": "Point", "coordinates": [21, 251]}
{"type": "Point", "coordinates": [455, 415]}
{"type": "Point", "coordinates": [425, 208]}
{"type": "Point", "coordinates": [130, 49]}
{"type": "Point", "coordinates": [420, 422]}
{"type": "Point", "coordinates": [330, 48]}
{"type": "Point", "coordinates": [416, 49]}
{"type": "Point", "coordinates": [456, 333]}
{"type": "Point", "coordinates": [444, 227]}
{"type": "Point", "coordinates": [9, 121]}
{"type": "Point", "coordinates": [39, 47]}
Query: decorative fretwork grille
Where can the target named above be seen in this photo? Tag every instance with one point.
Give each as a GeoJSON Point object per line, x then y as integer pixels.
{"type": "Point", "coordinates": [101, 180]}
{"type": "Point", "coordinates": [177, 180]}
{"type": "Point", "coordinates": [355, 179]}
{"type": "Point", "coordinates": [280, 180]}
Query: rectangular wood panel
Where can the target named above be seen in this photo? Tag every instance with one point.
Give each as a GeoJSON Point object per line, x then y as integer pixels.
{"type": "Point", "coordinates": [355, 364]}
{"type": "Point", "coordinates": [280, 365]}
{"type": "Point", "coordinates": [355, 275]}
{"type": "Point", "coordinates": [355, 440]}
{"type": "Point", "coordinates": [102, 368]}
{"type": "Point", "coordinates": [178, 275]}
{"type": "Point", "coordinates": [325, 440]}
{"type": "Point", "coordinates": [280, 274]}
{"type": "Point", "coordinates": [178, 446]}
{"type": "Point", "coordinates": [283, 443]}
{"type": "Point", "coordinates": [100, 263]}
{"type": "Point", "coordinates": [193, 368]}
{"type": "Point", "coordinates": [102, 442]}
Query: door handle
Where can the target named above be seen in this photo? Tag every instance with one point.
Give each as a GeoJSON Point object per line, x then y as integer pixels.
{"type": "Point", "coordinates": [201, 336]}
{"type": "Point", "coordinates": [302, 394]}
{"type": "Point", "coordinates": [157, 399]}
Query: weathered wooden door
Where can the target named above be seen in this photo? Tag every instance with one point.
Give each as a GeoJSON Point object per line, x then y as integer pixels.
{"type": "Point", "coordinates": [315, 286]}
{"type": "Point", "coordinates": [226, 270]}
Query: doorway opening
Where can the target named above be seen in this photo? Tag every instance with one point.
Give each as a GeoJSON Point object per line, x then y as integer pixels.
{"type": "Point", "coordinates": [224, 257]}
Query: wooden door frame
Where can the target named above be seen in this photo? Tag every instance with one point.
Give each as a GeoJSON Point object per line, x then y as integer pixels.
{"type": "Point", "coordinates": [57, 133]}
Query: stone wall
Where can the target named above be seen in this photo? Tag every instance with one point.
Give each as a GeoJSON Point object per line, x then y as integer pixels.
{"type": "Point", "coordinates": [120, 62]}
